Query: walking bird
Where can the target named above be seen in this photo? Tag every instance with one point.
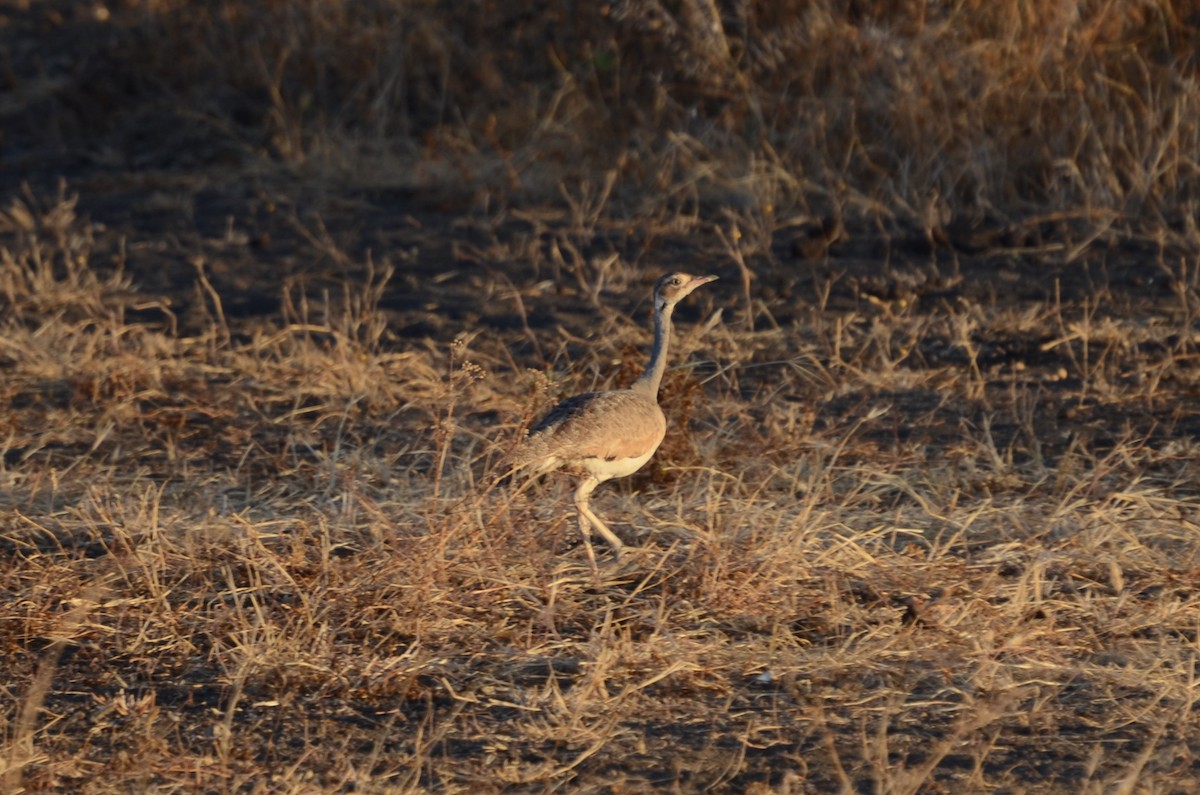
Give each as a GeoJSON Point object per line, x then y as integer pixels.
{"type": "Point", "coordinates": [603, 435]}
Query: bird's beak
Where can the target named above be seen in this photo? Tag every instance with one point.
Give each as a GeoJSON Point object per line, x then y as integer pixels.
{"type": "Point", "coordinates": [699, 280]}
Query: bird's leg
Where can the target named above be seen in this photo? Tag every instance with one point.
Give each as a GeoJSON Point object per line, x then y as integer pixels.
{"type": "Point", "coordinates": [586, 517]}
{"type": "Point", "coordinates": [609, 535]}
{"type": "Point", "coordinates": [585, 526]}
{"type": "Point", "coordinates": [585, 531]}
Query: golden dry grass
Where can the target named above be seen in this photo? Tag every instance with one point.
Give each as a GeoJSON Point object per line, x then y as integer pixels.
{"type": "Point", "coordinates": [270, 556]}
{"type": "Point", "coordinates": [926, 516]}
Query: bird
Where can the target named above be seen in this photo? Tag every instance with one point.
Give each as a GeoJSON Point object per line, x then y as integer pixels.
{"type": "Point", "coordinates": [609, 434]}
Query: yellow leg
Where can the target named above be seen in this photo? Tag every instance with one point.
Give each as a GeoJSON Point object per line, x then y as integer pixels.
{"type": "Point", "coordinates": [586, 518]}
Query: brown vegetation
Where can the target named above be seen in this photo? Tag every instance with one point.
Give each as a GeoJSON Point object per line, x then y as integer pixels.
{"type": "Point", "coordinates": [926, 518]}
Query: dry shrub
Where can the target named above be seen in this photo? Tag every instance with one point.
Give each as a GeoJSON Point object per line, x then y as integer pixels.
{"type": "Point", "coordinates": [924, 114]}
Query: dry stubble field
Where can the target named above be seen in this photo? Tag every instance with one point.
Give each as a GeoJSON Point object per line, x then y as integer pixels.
{"type": "Point", "coordinates": [925, 520]}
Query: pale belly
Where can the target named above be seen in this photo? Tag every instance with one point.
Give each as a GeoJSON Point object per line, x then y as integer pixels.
{"type": "Point", "coordinates": [617, 468]}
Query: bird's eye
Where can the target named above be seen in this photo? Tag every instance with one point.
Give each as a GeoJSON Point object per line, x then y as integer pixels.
{"type": "Point", "coordinates": [676, 281]}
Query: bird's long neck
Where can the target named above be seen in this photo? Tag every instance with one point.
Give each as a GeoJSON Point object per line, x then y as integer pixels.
{"type": "Point", "coordinates": [649, 381]}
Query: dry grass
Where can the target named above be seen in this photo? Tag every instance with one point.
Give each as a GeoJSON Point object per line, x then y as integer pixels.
{"type": "Point", "coordinates": [926, 519]}
{"type": "Point", "coordinates": [268, 556]}
{"type": "Point", "coordinates": [1063, 123]}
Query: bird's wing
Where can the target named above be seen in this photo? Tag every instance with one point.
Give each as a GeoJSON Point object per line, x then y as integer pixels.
{"type": "Point", "coordinates": [569, 410]}
{"type": "Point", "coordinates": [605, 425]}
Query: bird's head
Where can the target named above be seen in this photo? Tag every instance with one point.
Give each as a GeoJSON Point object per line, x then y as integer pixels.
{"type": "Point", "coordinates": [674, 287]}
